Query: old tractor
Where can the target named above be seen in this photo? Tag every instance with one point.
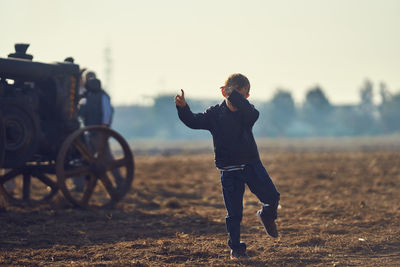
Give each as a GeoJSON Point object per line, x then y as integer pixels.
{"type": "Point", "coordinates": [44, 148]}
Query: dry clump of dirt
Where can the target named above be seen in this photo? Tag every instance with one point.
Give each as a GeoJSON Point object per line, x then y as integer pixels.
{"type": "Point", "coordinates": [337, 208]}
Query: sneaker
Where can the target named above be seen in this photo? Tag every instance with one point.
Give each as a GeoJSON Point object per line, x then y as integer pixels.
{"type": "Point", "coordinates": [269, 225]}
{"type": "Point", "coordinates": [237, 254]}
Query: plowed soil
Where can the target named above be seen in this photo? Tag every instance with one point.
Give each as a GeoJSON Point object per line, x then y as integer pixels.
{"type": "Point", "coordinates": [339, 207]}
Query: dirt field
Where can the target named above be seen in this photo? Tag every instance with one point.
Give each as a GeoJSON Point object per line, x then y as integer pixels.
{"type": "Point", "coordinates": [338, 208]}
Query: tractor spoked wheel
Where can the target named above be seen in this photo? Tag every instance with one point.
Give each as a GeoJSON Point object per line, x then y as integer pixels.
{"type": "Point", "coordinates": [26, 186]}
{"type": "Point", "coordinates": [95, 167]}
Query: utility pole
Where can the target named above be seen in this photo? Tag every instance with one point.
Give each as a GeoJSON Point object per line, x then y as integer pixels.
{"type": "Point", "coordinates": [108, 70]}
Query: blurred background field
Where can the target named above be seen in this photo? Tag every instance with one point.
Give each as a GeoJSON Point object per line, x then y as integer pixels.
{"type": "Point", "coordinates": [280, 116]}
{"type": "Point", "coordinates": [270, 145]}
{"type": "Point", "coordinates": [340, 206]}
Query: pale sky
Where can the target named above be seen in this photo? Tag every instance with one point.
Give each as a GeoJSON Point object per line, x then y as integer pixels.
{"type": "Point", "coordinates": [160, 46]}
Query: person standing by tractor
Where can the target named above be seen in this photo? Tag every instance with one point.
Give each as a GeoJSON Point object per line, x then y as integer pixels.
{"type": "Point", "coordinates": [96, 109]}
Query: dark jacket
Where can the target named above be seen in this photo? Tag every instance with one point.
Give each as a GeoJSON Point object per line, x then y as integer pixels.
{"type": "Point", "coordinates": [92, 112]}
{"type": "Point", "coordinates": [232, 134]}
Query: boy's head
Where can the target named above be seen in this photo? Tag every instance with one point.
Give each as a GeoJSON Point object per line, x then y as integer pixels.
{"type": "Point", "coordinates": [237, 82]}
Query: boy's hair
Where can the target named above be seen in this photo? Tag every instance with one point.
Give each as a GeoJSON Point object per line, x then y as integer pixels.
{"type": "Point", "coordinates": [236, 81]}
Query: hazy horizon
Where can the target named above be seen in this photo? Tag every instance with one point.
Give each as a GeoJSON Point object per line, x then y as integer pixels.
{"type": "Point", "coordinates": [158, 47]}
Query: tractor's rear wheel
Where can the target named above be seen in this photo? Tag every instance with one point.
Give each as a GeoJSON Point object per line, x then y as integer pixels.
{"type": "Point", "coordinates": [89, 172]}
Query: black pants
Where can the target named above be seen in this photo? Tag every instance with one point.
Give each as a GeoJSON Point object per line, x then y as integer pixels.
{"type": "Point", "coordinates": [233, 186]}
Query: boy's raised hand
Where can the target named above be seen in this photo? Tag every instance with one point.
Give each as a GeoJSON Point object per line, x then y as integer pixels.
{"type": "Point", "coordinates": [180, 99]}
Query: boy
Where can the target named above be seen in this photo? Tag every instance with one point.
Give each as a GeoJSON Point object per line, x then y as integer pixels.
{"type": "Point", "coordinates": [236, 156]}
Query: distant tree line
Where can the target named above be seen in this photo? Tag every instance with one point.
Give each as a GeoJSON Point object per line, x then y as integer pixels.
{"type": "Point", "coordinates": [279, 117]}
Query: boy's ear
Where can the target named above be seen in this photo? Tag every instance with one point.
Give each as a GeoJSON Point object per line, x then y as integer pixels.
{"type": "Point", "coordinates": [223, 91]}
{"type": "Point", "coordinates": [248, 94]}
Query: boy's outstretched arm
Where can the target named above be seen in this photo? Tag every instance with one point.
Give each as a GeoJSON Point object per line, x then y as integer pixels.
{"type": "Point", "coordinates": [191, 120]}
{"type": "Point", "coordinates": [243, 105]}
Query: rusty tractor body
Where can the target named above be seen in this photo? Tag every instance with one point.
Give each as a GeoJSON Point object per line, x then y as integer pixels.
{"type": "Point", "coordinates": [43, 146]}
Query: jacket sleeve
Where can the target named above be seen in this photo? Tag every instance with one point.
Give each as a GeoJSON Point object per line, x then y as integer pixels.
{"type": "Point", "coordinates": [107, 110]}
{"type": "Point", "coordinates": [250, 113]}
{"type": "Point", "coordinates": [194, 120]}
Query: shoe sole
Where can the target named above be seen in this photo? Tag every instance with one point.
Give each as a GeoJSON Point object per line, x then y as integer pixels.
{"type": "Point", "coordinates": [274, 235]}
